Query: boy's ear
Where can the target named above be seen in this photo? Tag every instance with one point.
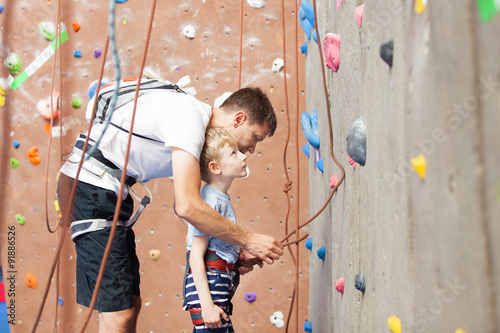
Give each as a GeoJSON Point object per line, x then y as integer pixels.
{"type": "Point", "coordinates": [213, 168]}
{"type": "Point", "coordinates": [239, 118]}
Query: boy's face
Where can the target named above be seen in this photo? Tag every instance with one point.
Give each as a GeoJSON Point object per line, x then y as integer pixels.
{"type": "Point", "coordinates": [250, 135]}
{"type": "Point", "coordinates": [232, 162]}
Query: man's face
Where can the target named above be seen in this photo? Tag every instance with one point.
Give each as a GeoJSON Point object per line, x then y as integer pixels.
{"type": "Point", "coordinates": [250, 135]}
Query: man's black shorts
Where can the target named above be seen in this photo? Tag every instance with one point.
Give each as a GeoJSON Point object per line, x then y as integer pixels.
{"type": "Point", "coordinates": [121, 277]}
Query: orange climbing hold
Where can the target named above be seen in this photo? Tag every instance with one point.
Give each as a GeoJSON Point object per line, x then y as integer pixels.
{"type": "Point", "coordinates": [76, 26]}
{"type": "Point", "coordinates": [31, 280]}
{"type": "Point", "coordinates": [34, 156]}
{"type": "Point", "coordinates": [44, 108]}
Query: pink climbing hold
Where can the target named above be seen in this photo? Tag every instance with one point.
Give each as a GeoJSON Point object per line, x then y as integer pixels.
{"type": "Point", "coordinates": [351, 161]}
{"type": "Point", "coordinates": [339, 2]}
{"type": "Point", "coordinates": [331, 44]}
{"type": "Point", "coordinates": [359, 14]}
{"type": "Point", "coordinates": [339, 285]}
{"type": "Point", "coordinates": [333, 181]}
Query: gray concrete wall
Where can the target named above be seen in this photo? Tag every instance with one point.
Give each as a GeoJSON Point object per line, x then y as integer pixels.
{"type": "Point", "coordinates": [429, 248]}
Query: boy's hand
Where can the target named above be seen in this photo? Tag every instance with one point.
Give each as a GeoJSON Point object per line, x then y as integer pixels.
{"type": "Point", "coordinates": [246, 261]}
{"type": "Point", "coordinates": [211, 316]}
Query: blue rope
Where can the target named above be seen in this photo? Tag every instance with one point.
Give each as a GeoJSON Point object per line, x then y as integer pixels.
{"type": "Point", "coordinates": [111, 22]}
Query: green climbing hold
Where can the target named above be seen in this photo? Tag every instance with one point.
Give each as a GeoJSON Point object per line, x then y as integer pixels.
{"type": "Point", "coordinates": [20, 219]}
{"type": "Point", "coordinates": [76, 102]}
{"type": "Point", "coordinates": [14, 162]}
{"type": "Point", "coordinates": [47, 29]}
{"type": "Point", "coordinates": [487, 9]}
{"type": "Point", "coordinates": [12, 63]}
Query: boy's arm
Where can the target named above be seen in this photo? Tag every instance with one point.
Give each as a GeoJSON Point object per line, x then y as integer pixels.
{"type": "Point", "coordinates": [190, 206]}
{"type": "Point", "coordinates": [210, 312]}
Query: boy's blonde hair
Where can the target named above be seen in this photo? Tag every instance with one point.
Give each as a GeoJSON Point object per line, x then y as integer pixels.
{"type": "Point", "coordinates": [216, 138]}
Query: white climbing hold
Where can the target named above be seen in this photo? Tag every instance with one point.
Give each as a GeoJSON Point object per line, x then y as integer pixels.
{"type": "Point", "coordinates": [219, 100]}
{"type": "Point", "coordinates": [278, 65]}
{"type": "Point", "coordinates": [277, 319]}
{"type": "Point", "coordinates": [189, 31]}
{"type": "Point", "coordinates": [257, 3]}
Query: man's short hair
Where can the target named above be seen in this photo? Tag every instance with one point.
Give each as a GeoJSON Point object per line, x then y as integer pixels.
{"type": "Point", "coordinates": [216, 138]}
{"type": "Point", "coordinates": [254, 102]}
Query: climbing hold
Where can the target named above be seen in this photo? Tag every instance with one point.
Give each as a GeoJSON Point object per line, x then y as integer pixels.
{"type": "Point", "coordinates": [319, 165]}
{"type": "Point", "coordinates": [20, 219]}
{"type": "Point", "coordinates": [277, 319]}
{"type": "Point", "coordinates": [487, 9]}
{"type": "Point", "coordinates": [75, 25]}
{"type": "Point", "coordinates": [321, 253]}
{"type": "Point", "coordinates": [386, 51]}
{"type": "Point", "coordinates": [1, 9]}
{"type": "Point", "coordinates": [121, 1]}
{"type": "Point", "coordinates": [77, 54]}
{"type": "Point", "coordinates": [303, 48]}
{"type": "Point", "coordinates": [60, 301]}
{"type": "Point", "coordinates": [308, 326]}
{"type": "Point", "coordinates": [460, 331]}
{"type": "Point", "coordinates": [33, 155]}
{"type": "Point", "coordinates": [14, 163]}
{"type": "Point", "coordinates": [420, 165]}
{"type": "Point", "coordinates": [339, 285]}
{"type": "Point", "coordinates": [333, 181]}
{"type": "Point", "coordinates": [356, 141]}
{"type": "Point", "coordinates": [315, 36]}
{"type": "Point", "coordinates": [76, 102]}
{"type": "Point", "coordinates": [256, 3]}
{"type": "Point", "coordinates": [305, 149]}
{"type": "Point", "coordinates": [148, 303]}
{"type": "Point", "coordinates": [47, 29]}
{"type": "Point", "coordinates": [12, 63]}
{"type": "Point", "coordinates": [31, 280]}
{"type": "Point", "coordinates": [278, 64]}
{"type": "Point", "coordinates": [331, 49]}
{"type": "Point", "coordinates": [394, 324]}
{"type": "Point", "coordinates": [250, 297]}
{"type": "Point", "coordinates": [189, 31]}
{"type": "Point", "coordinates": [309, 244]}
{"type": "Point", "coordinates": [154, 254]}
{"type": "Point", "coordinates": [360, 282]}
{"type": "Point", "coordinates": [304, 23]}
{"type": "Point", "coordinates": [220, 100]}
{"type": "Point", "coordinates": [308, 12]}
{"type": "Point", "coordinates": [339, 2]}
{"type": "Point", "coordinates": [97, 53]}
{"type": "Point", "coordinates": [44, 108]}
{"type": "Point", "coordinates": [16, 144]}
{"type": "Point", "coordinates": [351, 161]}
{"type": "Point", "coordinates": [420, 6]}
{"type": "Point", "coordinates": [93, 88]}
{"type": "Point", "coordinates": [310, 127]}
{"type": "Point", "coordinates": [358, 13]}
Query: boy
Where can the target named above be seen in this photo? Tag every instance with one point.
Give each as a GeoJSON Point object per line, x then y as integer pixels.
{"type": "Point", "coordinates": [208, 283]}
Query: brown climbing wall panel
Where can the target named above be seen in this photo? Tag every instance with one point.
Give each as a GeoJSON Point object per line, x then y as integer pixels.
{"type": "Point", "coordinates": [212, 60]}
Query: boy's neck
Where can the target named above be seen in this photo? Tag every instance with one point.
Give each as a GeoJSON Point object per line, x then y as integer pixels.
{"type": "Point", "coordinates": [220, 183]}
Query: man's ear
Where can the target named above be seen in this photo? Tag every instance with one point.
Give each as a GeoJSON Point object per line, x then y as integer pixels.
{"type": "Point", "coordinates": [239, 118]}
{"type": "Point", "coordinates": [213, 168]}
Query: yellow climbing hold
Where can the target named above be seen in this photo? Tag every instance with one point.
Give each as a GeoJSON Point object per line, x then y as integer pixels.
{"type": "Point", "coordinates": [460, 331]}
{"type": "Point", "coordinates": [394, 324]}
{"type": "Point", "coordinates": [420, 165]}
{"type": "Point", "coordinates": [420, 6]}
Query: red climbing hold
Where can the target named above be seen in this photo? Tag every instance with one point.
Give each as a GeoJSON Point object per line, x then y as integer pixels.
{"type": "Point", "coordinates": [359, 14]}
{"type": "Point", "coordinates": [351, 161]}
{"type": "Point", "coordinates": [339, 285]}
{"type": "Point", "coordinates": [331, 44]}
{"type": "Point", "coordinates": [333, 181]}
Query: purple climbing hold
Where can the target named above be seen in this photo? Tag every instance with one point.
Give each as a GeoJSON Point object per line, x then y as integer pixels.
{"type": "Point", "coordinates": [97, 53]}
{"type": "Point", "coordinates": [60, 301]}
{"type": "Point", "coordinates": [250, 297]}
{"type": "Point", "coordinates": [77, 54]}
{"type": "Point", "coordinates": [16, 144]}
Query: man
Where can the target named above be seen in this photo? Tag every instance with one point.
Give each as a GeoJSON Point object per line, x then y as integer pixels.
{"type": "Point", "coordinates": [169, 132]}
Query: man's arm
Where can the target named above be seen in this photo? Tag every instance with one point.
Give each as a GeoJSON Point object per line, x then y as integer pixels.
{"type": "Point", "coordinates": [190, 206]}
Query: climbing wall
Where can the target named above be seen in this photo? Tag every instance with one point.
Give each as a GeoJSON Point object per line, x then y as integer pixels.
{"type": "Point", "coordinates": [421, 218]}
{"type": "Point", "coordinates": [211, 59]}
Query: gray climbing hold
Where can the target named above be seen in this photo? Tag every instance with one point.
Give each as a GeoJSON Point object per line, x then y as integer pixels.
{"type": "Point", "coordinates": [386, 51]}
{"type": "Point", "coordinates": [360, 282]}
{"type": "Point", "coordinates": [356, 141]}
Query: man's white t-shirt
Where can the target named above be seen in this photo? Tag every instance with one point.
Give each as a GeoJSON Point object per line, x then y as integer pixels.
{"type": "Point", "coordinates": [170, 118]}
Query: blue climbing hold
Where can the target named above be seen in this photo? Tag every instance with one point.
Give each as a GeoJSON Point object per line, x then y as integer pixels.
{"type": "Point", "coordinates": [77, 54]}
{"type": "Point", "coordinates": [315, 38]}
{"type": "Point", "coordinates": [309, 244]}
{"type": "Point", "coordinates": [321, 253]}
{"type": "Point", "coordinates": [319, 164]}
{"type": "Point", "coordinates": [60, 301]}
{"type": "Point", "coordinates": [310, 127]}
{"type": "Point", "coordinates": [308, 10]}
{"type": "Point", "coordinates": [121, 1]}
{"type": "Point", "coordinates": [16, 144]}
{"type": "Point", "coordinates": [303, 48]}
{"type": "Point", "coordinates": [306, 149]}
{"type": "Point", "coordinates": [304, 23]}
{"type": "Point", "coordinates": [93, 88]}
{"type": "Point", "coordinates": [308, 326]}
{"type": "Point", "coordinates": [1, 9]}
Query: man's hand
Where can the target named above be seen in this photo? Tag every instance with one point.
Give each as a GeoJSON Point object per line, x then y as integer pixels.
{"type": "Point", "coordinates": [246, 261]}
{"type": "Point", "coordinates": [264, 247]}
